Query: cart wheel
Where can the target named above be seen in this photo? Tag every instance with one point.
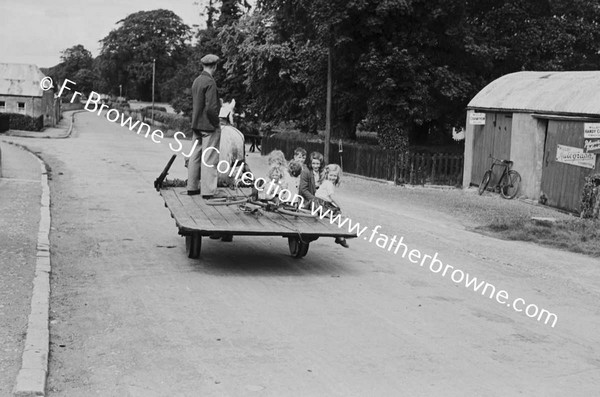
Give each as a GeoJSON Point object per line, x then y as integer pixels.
{"type": "Point", "coordinates": [193, 244]}
{"type": "Point", "coordinates": [298, 249]}
{"type": "Point", "coordinates": [303, 249]}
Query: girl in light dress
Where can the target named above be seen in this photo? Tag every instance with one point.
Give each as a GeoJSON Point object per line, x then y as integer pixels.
{"type": "Point", "coordinates": [276, 157]}
{"type": "Point", "coordinates": [325, 194]}
{"type": "Point", "coordinates": [276, 176]}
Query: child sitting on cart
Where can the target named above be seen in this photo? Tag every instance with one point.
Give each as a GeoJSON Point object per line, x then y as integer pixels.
{"type": "Point", "coordinates": [324, 195]}
{"type": "Point", "coordinates": [310, 178]}
{"type": "Point", "coordinates": [271, 189]}
{"type": "Point", "coordinates": [300, 156]}
{"type": "Point", "coordinates": [294, 170]}
{"type": "Point", "coordinates": [277, 159]}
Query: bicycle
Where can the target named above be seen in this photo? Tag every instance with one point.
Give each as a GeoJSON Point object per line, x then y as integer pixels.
{"type": "Point", "coordinates": [508, 183]}
{"type": "Point", "coordinates": [252, 205]}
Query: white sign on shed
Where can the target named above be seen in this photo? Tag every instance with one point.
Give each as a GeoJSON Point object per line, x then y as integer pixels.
{"type": "Point", "coordinates": [477, 119]}
{"type": "Point", "coordinates": [591, 130]}
{"type": "Point", "coordinates": [575, 156]}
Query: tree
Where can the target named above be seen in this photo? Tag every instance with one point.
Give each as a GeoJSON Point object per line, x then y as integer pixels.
{"type": "Point", "coordinates": [76, 65]}
{"type": "Point", "coordinates": [74, 59]}
{"type": "Point", "coordinates": [208, 41]}
{"type": "Point", "coordinates": [127, 52]}
{"type": "Point", "coordinates": [224, 12]}
{"type": "Point", "coordinates": [537, 34]}
{"type": "Point", "coordinates": [86, 80]}
{"type": "Point", "coordinates": [407, 68]}
{"type": "Point", "coordinates": [230, 12]}
{"type": "Point", "coordinates": [310, 29]}
{"type": "Point", "coordinates": [417, 71]}
{"type": "Point", "coordinates": [404, 68]}
{"type": "Point", "coordinates": [261, 66]}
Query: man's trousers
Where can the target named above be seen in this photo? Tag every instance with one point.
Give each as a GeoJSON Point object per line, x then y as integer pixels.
{"type": "Point", "coordinates": [203, 168]}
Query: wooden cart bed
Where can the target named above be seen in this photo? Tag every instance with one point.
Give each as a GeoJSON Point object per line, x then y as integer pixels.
{"type": "Point", "coordinates": [195, 219]}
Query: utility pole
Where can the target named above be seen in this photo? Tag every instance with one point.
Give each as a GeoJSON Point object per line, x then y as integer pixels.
{"type": "Point", "coordinates": [153, 73]}
{"type": "Point", "coordinates": [328, 106]}
{"type": "Point", "coordinates": [120, 90]}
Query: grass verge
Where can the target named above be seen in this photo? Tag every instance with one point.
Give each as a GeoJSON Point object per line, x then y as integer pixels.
{"type": "Point", "coordinates": [490, 214]}
{"type": "Point", "coordinates": [575, 235]}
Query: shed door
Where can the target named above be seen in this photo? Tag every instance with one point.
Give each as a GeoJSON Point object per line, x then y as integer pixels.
{"type": "Point", "coordinates": [562, 183]}
{"type": "Point", "coordinates": [491, 139]}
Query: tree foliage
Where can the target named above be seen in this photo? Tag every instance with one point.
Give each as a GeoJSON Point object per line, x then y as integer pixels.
{"type": "Point", "coordinates": [407, 68]}
{"type": "Point", "coordinates": [256, 58]}
{"type": "Point", "coordinates": [128, 51]}
{"type": "Point", "coordinates": [403, 68]}
{"type": "Point", "coordinates": [220, 15]}
{"type": "Point", "coordinates": [74, 59]}
{"type": "Point", "coordinates": [77, 64]}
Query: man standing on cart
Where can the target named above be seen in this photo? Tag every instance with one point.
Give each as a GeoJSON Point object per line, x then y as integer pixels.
{"type": "Point", "coordinates": [206, 129]}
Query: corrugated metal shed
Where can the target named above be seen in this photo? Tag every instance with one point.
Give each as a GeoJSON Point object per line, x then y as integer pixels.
{"type": "Point", "coordinates": [20, 79]}
{"type": "Point", "coordinates": [564, 93]}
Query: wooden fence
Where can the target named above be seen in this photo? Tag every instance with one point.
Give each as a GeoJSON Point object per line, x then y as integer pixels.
{"type": "Point", "coordinates": [371, 161]}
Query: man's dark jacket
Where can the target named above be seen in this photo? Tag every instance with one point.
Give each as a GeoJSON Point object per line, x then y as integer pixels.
{"type": "Point", "coordinates": [205, 114]}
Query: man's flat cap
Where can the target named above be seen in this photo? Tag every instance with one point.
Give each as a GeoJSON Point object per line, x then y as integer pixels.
{"type": "Point", "coordinates": [209, 59]}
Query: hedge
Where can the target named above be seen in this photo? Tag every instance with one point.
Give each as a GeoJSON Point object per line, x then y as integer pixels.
{"type": "Point", "coordinates": [26, 123]}
{"type": "Point", "coordinates": [148, 109]}
{"type": "Point", "coordinates": [65, 107]}
{"type": "Point", "coordinates": [172, 121]}
{"type": "Point", "coordinates": [4, 122]}
{"type": "Point", "coordinates": [590, 197]}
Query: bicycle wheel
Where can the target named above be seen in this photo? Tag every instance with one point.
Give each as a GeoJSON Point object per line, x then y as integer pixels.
{"type": "Point", "coordinates": [485, 181]}
{"type": "Point", "coordinates": [231, 200]}
{"type": "Point", "coordinates": [269, 206]}
{"type": "Point", "coordinates": [509, 185]}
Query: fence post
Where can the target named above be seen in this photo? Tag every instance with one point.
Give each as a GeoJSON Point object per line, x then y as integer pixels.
{"type": "Point", "coordinates": [433, 163]}
{"type": "Point", "coordinates": [395, 167]}
{"type": "Point", "coordinates": [412, 169]}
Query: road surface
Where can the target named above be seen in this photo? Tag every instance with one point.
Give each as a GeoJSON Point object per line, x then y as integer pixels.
{"type": "Point", "coordinates": [133, 316]}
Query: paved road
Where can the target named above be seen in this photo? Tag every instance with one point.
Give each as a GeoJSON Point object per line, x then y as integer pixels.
{"type": "Point", "coordinates": [132, 316]}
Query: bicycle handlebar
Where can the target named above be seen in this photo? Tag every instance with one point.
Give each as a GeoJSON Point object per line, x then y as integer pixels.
{"type": "Point", "coordinates": [501, 161]}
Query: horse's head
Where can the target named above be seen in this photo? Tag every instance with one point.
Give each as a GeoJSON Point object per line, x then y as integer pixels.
{"type": "Point", "coordinates": [226, 111]}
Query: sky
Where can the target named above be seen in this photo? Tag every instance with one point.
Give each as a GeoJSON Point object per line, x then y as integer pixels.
{"type": "Point", "coordinates": [36, 31]}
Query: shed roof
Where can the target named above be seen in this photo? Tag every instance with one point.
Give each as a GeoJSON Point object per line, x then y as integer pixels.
{"type": "Point", "coordinates": [564, 93]}
{"type": "Point", "coordinates": [20, 79]}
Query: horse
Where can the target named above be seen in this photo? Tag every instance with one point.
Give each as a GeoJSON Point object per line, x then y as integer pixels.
{"type": "Point", "coordinates": [232, 150]}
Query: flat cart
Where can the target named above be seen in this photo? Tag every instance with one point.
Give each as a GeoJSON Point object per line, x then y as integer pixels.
{"type": "Point", "coordinates": [195, 219]}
